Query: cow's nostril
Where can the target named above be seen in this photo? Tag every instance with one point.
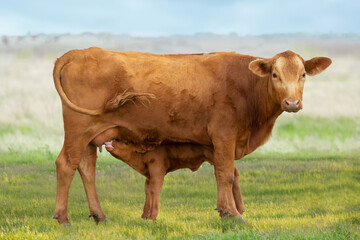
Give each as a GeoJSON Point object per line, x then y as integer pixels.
{"type": "Point", "coordinates": [292, 105]}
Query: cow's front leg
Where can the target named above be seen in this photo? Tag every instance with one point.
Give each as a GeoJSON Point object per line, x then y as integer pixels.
{"type": "Point", "coordinates": [237, 193]}
{"type": "Point", "coordinates": [224, 172]}
{"type": "Point", "coordinates": [87, 172]}
{"type": "Point", "coordinates": [237, 196]}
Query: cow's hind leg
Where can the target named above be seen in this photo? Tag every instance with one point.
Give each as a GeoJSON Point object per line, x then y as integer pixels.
{"type": "Point", "coordinates": [87, 172]}
{"type": "Point", "coordinates": [65, 173]}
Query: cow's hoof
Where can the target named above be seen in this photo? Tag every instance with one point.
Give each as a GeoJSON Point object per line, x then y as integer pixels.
{"type": "Point", "coordinates": [97, 219]}
{"type": "Point", "coordinates": [239, 219]}
{"type": "Point", "coordinates": [67, 224]}
{"type": "Point", "coordinates": [63, 222]}
{"type": "Point", "coordinates": [222, 213]}
{"type": "Point", "coordinates": [103, 221]}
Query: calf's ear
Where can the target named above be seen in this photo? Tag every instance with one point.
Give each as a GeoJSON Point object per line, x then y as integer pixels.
{"type": "Point", "coordinates": [316, 65]}
{"type": "Point", "coordinates": [260, 67]}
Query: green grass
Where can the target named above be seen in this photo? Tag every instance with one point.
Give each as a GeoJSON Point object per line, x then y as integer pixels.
{"type": "Point", "coordinates": [303, 184]}
{"type": "Point", "coordinates": [302, 127]}
{"type": "Point", "coordinates": [286, 197]}
{"type": "Point", "coordinates": [305, 136]}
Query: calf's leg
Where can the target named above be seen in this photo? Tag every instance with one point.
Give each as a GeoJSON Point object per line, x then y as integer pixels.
{"type": "Point", "coordinates": [147, 206]}
{"type": "Point", "coordinates": [153, 187]}
{"type": "Point", "coordinates": [87, 172]}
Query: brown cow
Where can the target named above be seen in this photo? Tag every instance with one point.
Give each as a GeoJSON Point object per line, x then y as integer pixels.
{"type": "Point", "coordinates": [155, 164]}
{"type": "Point", "coordinates": [226, 101]}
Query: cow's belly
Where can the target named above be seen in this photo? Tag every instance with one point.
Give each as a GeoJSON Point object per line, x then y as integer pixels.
{"type": "Point", "coordinates": [155, 125]}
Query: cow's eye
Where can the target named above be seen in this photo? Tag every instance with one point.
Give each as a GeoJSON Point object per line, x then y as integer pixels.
{"type": "Point", "coordinates": [274, 75]}
{"type": "Point", "coordinates": [304, 75]}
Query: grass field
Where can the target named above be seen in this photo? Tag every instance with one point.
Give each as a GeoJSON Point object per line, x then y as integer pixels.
{"type": "Point", "coordinates": [298, 194]}
{"type": "Point", "coordinates": [303, 184]}
{"type": "Point", "coordinates": [299, 198]}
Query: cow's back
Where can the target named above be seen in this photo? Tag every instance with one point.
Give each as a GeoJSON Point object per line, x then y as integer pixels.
{"type": "Point", "coordinates": [186, 87]}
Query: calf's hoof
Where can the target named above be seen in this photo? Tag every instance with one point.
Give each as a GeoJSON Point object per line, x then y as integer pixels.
{"type": "Point", "coordinates": [146, 214]}
{"type": "Point", "coordinates": [149, 218]}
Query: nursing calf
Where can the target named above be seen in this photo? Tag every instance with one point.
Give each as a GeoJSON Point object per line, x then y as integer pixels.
{"type": "Point", "coordinates": [168, 157]}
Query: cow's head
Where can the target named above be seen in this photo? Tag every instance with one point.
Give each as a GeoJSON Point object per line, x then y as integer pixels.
{"type": "Point", "coordinates": [286, 73]}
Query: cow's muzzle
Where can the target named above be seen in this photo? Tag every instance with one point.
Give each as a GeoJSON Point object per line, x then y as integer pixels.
{"type": "Point", "coordinates": [291, 105]}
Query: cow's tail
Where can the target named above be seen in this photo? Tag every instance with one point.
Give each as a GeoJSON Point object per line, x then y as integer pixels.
{"type": "Point", "coordinates": [128, 97]}
{"type": "Point", "coordinates": [59, 64]}
{"type": "Point", "coordinates": [117, 101]}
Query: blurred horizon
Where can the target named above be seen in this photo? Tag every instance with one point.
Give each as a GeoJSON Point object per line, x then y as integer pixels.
{"type": "Point", "coordinates": [163, 18]}
{"type": "Point", "coordinates": [195, 34]}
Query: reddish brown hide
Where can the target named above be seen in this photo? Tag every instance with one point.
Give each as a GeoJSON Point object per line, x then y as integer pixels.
{"type": "Point", "coordinates": [226, 101]}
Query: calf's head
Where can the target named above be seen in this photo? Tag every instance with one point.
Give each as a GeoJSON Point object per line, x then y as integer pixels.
{"type": "Point", "coordinates": [286, 73]}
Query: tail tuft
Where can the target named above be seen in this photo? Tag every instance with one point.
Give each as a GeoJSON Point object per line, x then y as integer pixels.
{"type": "Point", "coordinates": [125, 97]}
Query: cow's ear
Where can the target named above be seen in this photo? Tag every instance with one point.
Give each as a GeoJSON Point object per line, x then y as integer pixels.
{"type": "Point", "coordinates": [260, 67]}
{"type": "Point", "coordinates": [316, 65]}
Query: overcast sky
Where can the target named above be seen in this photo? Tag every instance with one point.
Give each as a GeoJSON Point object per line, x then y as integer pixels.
{"type": "Point", "coordinates": [184, 17]}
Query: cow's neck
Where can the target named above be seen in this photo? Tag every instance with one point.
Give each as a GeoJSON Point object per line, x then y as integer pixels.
{"type": "Point", "coordinates": [260, 103]}
{"type": "Point", "coordinates": [262, 111]}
